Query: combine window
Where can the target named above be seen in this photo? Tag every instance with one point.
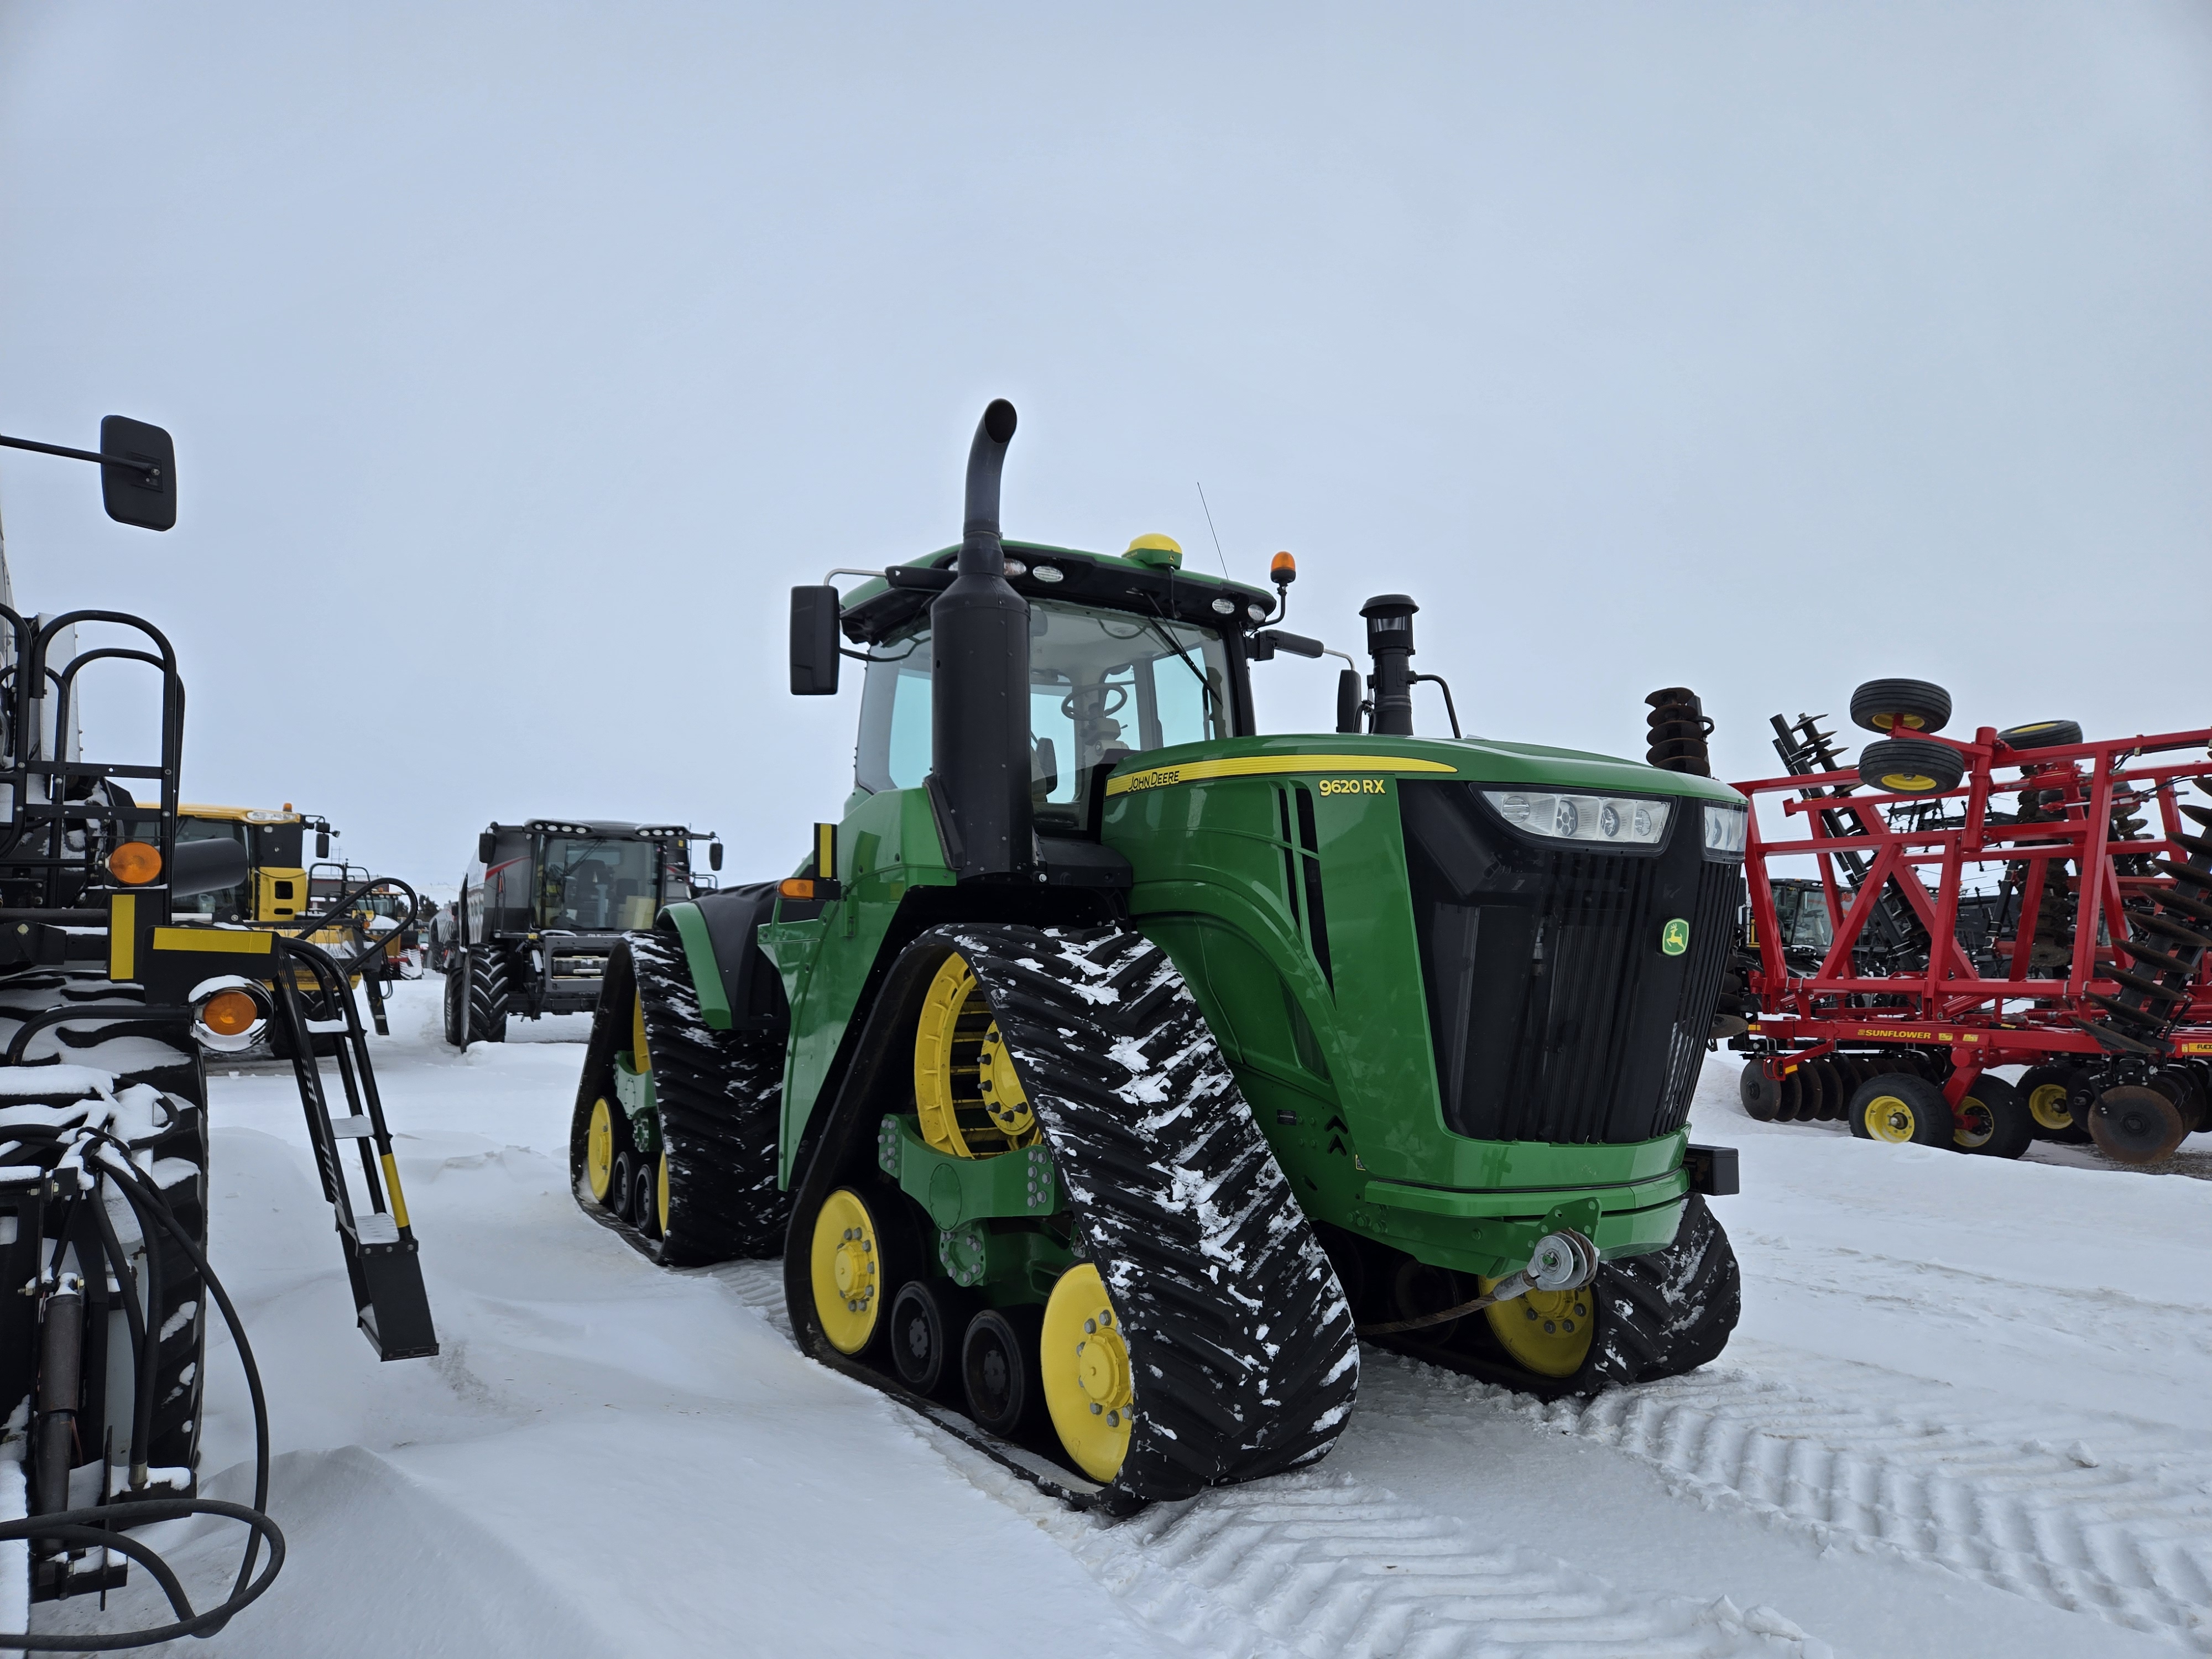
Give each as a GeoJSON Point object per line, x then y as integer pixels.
{"type": "Point", "coordinates": [599, 887]}
{"type": "Point", "coordinates": [1103, 685]}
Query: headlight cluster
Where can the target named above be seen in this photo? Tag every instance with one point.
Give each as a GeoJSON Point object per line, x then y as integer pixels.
{"type": "Point", "coordinates": [1725, 828]}
{"type": "Point", "coordinates": [1599, 818]}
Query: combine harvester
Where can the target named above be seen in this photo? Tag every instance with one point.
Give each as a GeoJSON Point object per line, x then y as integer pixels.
{"type": "Point", "coordinates": [1110, 1067]}
{"type": "Point", "coordinates": [113, 987]}
{"type": "Point", "coordinates": [2084, 962]}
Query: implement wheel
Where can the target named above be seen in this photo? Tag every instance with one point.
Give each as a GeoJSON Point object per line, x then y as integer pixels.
{"type": "Point", "coordinates": [1993, 1119]}
{"type": "Point", "coordinates": [2133, 1125]}
{"type": "Point", "coordinates": [1893, 706]}
{"type": "Point", "coordinates": [2041, 734]}
{"type": "Point", "coordinates": [1760, 1092]}
{"type": "Point", "coordinates": [2058, 1097]}
{"type": "Point", "coordinates": [1910, 766]}
{"type": "Point", "coordinates": [1901, 1109]}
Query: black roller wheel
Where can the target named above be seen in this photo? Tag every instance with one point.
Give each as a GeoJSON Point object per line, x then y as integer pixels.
{"type": "Point", "coordinates": [621, 1192]}
{"type": "Point", "coordinates": [2041, 734]}
{"type": "Point", "coordinates": [1892, 706]}
{"type": "Point", "coordinates": [929, 1325]}
{"type": "Point", "coordinates": [1910, 766]}
{"type": "Point", "coordinates": [999, 1371]}
{"type": "Point", "coordinates": [644, 1196]}
{"type": "Point", "coordinates": [1900, 1108]}
{"type": "Point", "coordinates": [1992, 1120]}
{"type": "Point", "coordinates": [2132, 1124]}
{"type": "Point", "coordinates": [1760, 1092]}
{"type": "Point", "coordinates": [2058, 1098]}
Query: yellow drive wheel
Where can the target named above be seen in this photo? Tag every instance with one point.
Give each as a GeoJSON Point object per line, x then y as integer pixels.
{"type": "Point", "coordinates": [970, 1100]}
{"type": "Point", "coordinates": [2046, 1104]}
{"type": "Point", "coordinates": [1085, 1364]}
{"type": "Point", "coordinates": [599, 1152]}
{"type": "Point", "coordinates": [845, 1263]}
{"type": "Point", "coordinates": [660, 1194]}
{"type": "Point", "coordinates": [1548, 1332]}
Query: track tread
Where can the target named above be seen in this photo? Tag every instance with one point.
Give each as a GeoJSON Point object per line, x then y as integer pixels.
{"type": "Point", "coordinates": [1242, 1311]}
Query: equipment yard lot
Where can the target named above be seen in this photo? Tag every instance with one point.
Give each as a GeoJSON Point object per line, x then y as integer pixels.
{"type": "Point", "coordinates": [1965, 1411]}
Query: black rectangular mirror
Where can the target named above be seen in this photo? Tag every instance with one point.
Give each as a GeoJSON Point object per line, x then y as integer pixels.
{"type": "Point", "coordinates": [1348, 700]}
{"type": "Point", "coordinates": [322, 843]}
{"type": "Point", "coordinates": [814, 642]}
{"type": "Point", "coordinates": [713, 855]}
{"type": "Point", "coordinates": [133, 495]}
{"type": "Point", "coordinates": [487, 848]}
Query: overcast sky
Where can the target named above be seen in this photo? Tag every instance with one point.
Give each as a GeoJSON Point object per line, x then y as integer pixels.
{"type": "Point", "coordinates": [520, 358]}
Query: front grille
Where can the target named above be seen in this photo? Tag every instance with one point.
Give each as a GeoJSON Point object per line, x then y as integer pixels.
{"type": "Point", "coordinates": [1556, 1015]}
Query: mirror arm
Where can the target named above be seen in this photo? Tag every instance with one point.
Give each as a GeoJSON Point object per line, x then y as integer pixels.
{"type": "Point", "coordinates": [132, 462]}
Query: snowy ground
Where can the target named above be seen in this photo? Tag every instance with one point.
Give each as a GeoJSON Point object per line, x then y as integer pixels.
{"type": "Point", "coordinates": [1965, 1414]}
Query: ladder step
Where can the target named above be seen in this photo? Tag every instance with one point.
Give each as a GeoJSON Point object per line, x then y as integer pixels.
{"type": "Point", "coordinates": [375, 1230]}
{"type": "Point", "coordinates": [350, 1128]}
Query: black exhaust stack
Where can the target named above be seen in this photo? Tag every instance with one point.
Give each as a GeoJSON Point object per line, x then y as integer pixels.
{"type": "Point", "coordinates": [1390, 644]}
{"type": "Point", "coordinates": [979, 653]}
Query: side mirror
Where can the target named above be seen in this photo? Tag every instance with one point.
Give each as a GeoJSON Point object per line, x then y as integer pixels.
{"type": "Point", "coordinates": [487, 848]}
{"type": "Point", "coordinates": [132, 494]}
{"type": "Point", "coordinates": [1347, 700]}
{"type": "Point", "coordinates": [814, 642]}
{"type": "Point", "coordinates": [1044, 765]}
{"type": "Point", "coordinates": [713, 855]}
{"type": "Point", "coordinates": [1298, 645]}
{"type": "Point", "coordinates": [322, 843]}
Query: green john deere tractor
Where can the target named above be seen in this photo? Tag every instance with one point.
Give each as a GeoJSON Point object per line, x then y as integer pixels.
{"type": "Point", "coordinates": [1109, 1069]}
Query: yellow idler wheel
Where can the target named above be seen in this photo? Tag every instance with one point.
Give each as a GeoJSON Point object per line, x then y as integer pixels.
{"type": "Point", "coordinates": [2046, 1104]}
{"type": "Point", "coordinates": [599, 1152]}
{"type": "Point", "coordinates": [1084, 1366]}
{"type": "Point", "coordinates": [846, 1265]}
{"type": "Point", "coordinates": [1548, 1332]}
{"type": "Point", "coordinates": [660, 1194]}
{"type": "Point", "coordinates": [970, 1102]}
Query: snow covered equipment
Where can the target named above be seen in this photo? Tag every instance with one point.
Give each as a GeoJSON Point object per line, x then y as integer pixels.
{"type": "Point", "coordinates": [2025, 898]}
{"type": "Point", "coordinates": [1109, 1069]}
{"type": "Point", "coordinates": [115, 982]}
{"type": "Point", "coordinates": [542, 908]}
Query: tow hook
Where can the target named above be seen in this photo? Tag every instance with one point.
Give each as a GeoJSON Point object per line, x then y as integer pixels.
{"type": "Point", "coordinates": [1563, 1260]}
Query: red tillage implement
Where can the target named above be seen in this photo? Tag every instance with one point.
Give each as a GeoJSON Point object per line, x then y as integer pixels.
{"type": "Point", "coordinates": [2085, 963]}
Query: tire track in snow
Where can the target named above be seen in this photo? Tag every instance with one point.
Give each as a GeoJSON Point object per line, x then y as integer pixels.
{"type": "Point", "coordinates": [2089, 1512]}
{"type": "Point", "coordinates": [1313, 1566]}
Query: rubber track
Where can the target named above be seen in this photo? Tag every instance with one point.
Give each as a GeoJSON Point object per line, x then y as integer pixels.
{"type": "Point", "coordinates": [721, 1094]}
{"type": "Point", "coordinates": [1241, 1339]}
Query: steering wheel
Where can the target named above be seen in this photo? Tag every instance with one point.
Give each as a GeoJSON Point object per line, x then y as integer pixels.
{"type": "Point", "coordinates": [1119, 694]}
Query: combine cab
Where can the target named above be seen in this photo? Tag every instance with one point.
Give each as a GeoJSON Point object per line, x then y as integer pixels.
{"type": "Point", "coordinates": [544, 906]}
{"type": "Point", "coordinates": [1110, 1067]}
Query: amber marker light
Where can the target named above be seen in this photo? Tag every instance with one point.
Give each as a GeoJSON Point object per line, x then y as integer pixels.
{"type": "Point", "coordinates": [796, 887]}
{"type": "Point", "coordinates": [229, 1013]}
{"type": "Point", "coordinates": [134, 864]}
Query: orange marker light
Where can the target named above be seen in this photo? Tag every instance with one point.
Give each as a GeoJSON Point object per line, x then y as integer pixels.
{"type": "Point", "coordinates": [229, 1013]}
{"type": "Point", "coordinates": [134, 864]}
{"type": "Point", "coordinates": [796, 887]}
{"type": "Point", "coordinates": [1282, 570]}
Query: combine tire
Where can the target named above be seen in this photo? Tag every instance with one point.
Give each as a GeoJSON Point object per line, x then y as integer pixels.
{"type": "Point", "coordinates": [1992, 1120]}
{"type": "Point", "coordinates": [2132, 1124]}
{"type": "Point", "coordinates": [1900, 1107]}
{"type": "Point", "coordinates": [1910, 766]}
{"type": "Point", "coordinates": [455, 1004]}
{"type": "Point", "coordinates": [483, 973]}
{"type": "Point", "coordinates": [1892, 706]}
{"type": "Point", "coordinates": [1213, 1341]}
{"type": "Point", "coordinates": [717, 1099]}
{"type": "Point", "coordinates": [2058, 1097]}
{"type": "Point", "coordinates": [2041, 734]}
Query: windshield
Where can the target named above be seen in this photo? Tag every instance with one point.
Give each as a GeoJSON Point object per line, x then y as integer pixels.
{"type": "Point", "coordinates": [598, 886]}
{"type": "Point", "coordinates": [1103, 685]}
{"type": "Point", "coordinates": [225, 904]}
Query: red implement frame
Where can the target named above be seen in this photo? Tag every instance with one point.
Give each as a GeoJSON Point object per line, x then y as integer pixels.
{"type": "Point", "coordinates": [2014, 1020]}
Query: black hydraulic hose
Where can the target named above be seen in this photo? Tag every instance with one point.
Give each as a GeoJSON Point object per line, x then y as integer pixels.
{"type": "Point", "coordinates": [133, 1315]}
{"type": "Point", "coordinates": [94, 1528]}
